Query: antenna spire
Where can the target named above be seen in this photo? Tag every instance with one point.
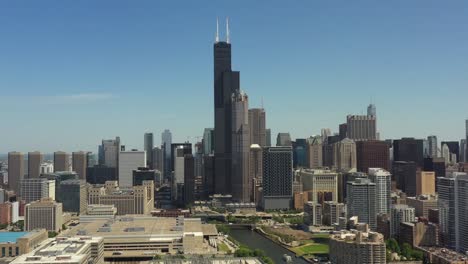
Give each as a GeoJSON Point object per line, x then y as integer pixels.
{"type": "Point", "coordinates": [228, 40]}
{"type": "Point", "coordinates": [217, 30]}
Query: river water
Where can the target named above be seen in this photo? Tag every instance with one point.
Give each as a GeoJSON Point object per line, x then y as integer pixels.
{"type": "Point", "coordinates": [256, 241]}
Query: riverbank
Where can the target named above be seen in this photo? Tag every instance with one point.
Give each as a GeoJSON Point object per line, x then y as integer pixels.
{"type": "Point", "coordinates": [255, 240]}
{"type": "Point", "coordinates": [279, 242]}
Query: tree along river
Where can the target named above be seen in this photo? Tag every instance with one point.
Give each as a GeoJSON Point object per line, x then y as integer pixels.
{"type": "Point", "coordinates": [254, 240]}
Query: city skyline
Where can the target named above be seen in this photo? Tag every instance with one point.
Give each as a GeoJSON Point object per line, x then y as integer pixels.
{"type": "Point", "coordinates": [146, 96]}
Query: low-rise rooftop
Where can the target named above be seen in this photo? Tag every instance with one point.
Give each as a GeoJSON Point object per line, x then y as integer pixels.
{"type": "Point", "coordinates": [355, 236]}
{"type": "Point", "coordinates": [144, 227]}
{"type": "Point", "coordinates": [60, 250]}
{"type": "Point", "coordinates": [11, 237]}
{"type": "Point", "coordinates": [445, 254]}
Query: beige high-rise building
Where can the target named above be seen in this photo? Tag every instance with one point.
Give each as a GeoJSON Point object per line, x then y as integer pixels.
{"type": "Point", "coordinates": [425, 182]}
{"type": "Point", "coordinates": [362, 127]}
{"type": "Point", "coordinates": [241, 183]}
{"type": "Point", "coordinates": [15, 170]}
{"type": "Point", "coordinates": [79, 162]}
{"type": "Point", "coordinates": [355, 247]}
{"type": "Point", "coordinates": [61, 161]}
{"type": "Point", "coordinates": [422, 204]}
{"type": "Point", "coordinates": [257, 123]}
{"type": "Point", "coordinates": [315, 152]}
{"type": "Point", "coordinates": [34, 164]}
{"type": "Point", "coordinates": [256, 163]}
{"type": "Point", "coordinates": [321, 185]}
{"type": "Point", "coordinates": [344, 155]}
{"type": "Point", "coordinates": [45, 213]}
{"type": "Point", "coordinates": [134, 200]}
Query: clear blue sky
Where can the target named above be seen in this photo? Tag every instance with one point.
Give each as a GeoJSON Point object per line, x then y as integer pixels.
{"type": "Point", "coordinates": [74, 72]}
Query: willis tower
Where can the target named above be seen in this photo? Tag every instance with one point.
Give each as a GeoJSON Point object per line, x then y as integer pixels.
{"type": "Point", "coordinates": [226, 83]}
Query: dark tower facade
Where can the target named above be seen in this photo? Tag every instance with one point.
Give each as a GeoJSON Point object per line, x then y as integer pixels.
{"type": "Point", "coordinates": [372, 154]}
{"type": "Point", "coordinates": [226, 82]}
{"type": "Point", "coordinates": [409, 149]}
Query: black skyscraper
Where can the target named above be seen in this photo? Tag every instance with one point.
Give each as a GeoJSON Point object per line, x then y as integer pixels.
{"type": "Point", "coordinates": [409, 149]}
{"type": "Point", "coordinates": [226, 82]}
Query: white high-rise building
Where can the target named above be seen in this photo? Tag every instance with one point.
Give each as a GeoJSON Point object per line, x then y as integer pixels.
{"type": "Point", "coordinates": [46, 168]}
{"type": "Point", "coordinates": [361, 201]}
{"type": "Point", "coordinates": [34, 189]}
{"type": "Point", "coordinates": [446, 154]}
{"type": "Point", "coordinates": [453, 210]}
{"type": "Point", "coordinates": [383, 184]}
{"type": "Point", "coordinates": [15, 212]}
{"type": "Point", "coordinates": [401, 213]}
{"type": "Point", "coordinates": [432, 141]}
{"type": "Point", "coordinates": [129, 161]}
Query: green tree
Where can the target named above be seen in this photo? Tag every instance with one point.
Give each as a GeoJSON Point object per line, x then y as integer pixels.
{"type": "Point", "coordinates": [254, 219]}
{"type": "Point", "coordinates": [388, 255]}
{"type": "Point", "coordinates": [258, 253]}
{"type": "Point", "coordinates": [296, 220]}
{"type": "Point", "coordinates": [417, 255]}
{"type": "Point", "coordinates": [231, 218]}
{"type": "Point", "coordinates": [20, 225]}
{"type": "Point", "coordinates": [278, 219]}
{"type": "Point", "coordinates": [267, 260]}
{"type": "Point", "coordinates": [406, 250]}
{"type": "Point", "coordinates": [223, 229]}
{"type": "Point", "coordinates": [393, 246]}
{"type": "Point", "coordinates": [243, 252]}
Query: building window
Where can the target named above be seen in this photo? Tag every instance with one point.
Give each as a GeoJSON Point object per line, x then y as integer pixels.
{"type": "Point", "coordinates": [17, 251]}
{"type": "Point", "coordinates": [3, 252]}
{"type": "Point", "coordinates": [10, 252]}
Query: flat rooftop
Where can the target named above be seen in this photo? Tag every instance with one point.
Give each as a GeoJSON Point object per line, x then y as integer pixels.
{"type": "Point", "coordinates": [142, 227]}
{"type": "Point", "coordinates": [11, 237]}
{"type": "Point", "coordinates": [59, 250]}
{"type": "Point", "coordinates": [446, 254]}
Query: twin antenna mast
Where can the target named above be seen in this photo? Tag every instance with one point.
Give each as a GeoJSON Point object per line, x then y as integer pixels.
{"type": "Point", "coordinates": [228, 39]}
